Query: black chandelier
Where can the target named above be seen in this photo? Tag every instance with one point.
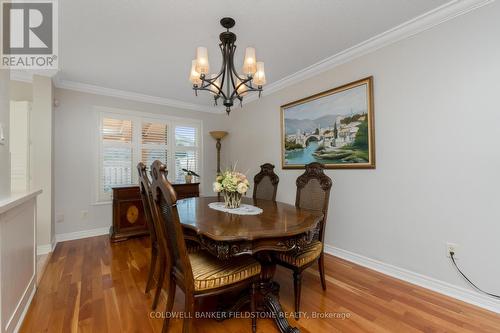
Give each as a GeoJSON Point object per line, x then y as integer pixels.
{"type": "Point", "coordinates": [227, 85]}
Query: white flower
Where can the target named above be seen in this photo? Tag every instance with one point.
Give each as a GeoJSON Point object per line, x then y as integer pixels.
{"type": "Point", "coordinates": [242, 188]}
{"type": "Point", "coordinates": [217, 187]}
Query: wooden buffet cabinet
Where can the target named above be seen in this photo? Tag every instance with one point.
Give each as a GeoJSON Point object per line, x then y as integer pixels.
{"type": "Point", "coordinates": [129, 219]}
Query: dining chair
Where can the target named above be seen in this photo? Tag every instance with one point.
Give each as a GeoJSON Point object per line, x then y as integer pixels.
{"type": "Point", "coordinates": [197, 274]}
{"type": "Point", "coordinates": [313, 192]}
{"type": "Point", "coordinates": [266, 183]}
{"type": "Point", "coordinates": [145, 190]}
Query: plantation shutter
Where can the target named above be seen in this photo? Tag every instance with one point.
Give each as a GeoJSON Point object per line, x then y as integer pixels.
{"type": "Point", "coordinates": [154, 140]}
{"type": "Point", "coordinates": [186, 151]}
{"type": "Point", "coordinates": [126, 139]}
{"type": "Point", "coordinates": [116, 154]}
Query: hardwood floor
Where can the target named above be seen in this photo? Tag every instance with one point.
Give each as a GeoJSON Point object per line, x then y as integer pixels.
{"type": "Point", "coordinates": [91, 285]}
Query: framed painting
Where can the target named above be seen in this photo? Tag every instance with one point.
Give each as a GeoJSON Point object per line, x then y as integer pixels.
{"type": "Point", "coordinates": [334, 127]}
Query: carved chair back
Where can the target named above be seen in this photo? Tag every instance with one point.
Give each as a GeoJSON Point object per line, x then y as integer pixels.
{"type": "Point", "coordinates": [170, 233]}
{"type": "Point", "coordinates": [145, 190]}
{"type": "Point", "coordinates": [266, 183]}
{"type": "Point", "coordinates": [313, 192]}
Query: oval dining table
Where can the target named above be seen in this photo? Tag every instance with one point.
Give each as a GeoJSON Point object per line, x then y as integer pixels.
{"type": "Point", "coordinates": [279, 228]}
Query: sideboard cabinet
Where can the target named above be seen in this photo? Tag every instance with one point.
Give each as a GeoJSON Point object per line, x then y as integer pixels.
{"type": "Point", "coordinates": [129, 219]}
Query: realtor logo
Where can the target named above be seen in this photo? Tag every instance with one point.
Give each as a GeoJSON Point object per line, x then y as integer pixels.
{"type": "Point", "coordinates": [29, 34]}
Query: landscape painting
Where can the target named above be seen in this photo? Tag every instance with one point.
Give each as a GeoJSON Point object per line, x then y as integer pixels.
{"type": "Point", "coordinates": [334, 127]}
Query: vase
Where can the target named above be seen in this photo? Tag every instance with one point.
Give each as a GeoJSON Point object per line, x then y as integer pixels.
{"type": "Point", "coordinates": [188, 178]}
{"type": "Point", "coordinates": [232, 199]}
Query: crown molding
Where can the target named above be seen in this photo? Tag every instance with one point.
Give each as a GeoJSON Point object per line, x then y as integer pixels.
{"type": "Point", "coordinates": [408, 29]}
{"type": "Point", "coordinates": [133, 96]}
{"type": "Point", "coordinates": [27, 76]}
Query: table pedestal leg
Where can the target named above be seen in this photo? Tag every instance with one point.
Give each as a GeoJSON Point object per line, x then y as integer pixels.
{"type": "Point", "coordinates": [269, 294]}
{"type": "Point", "coordinates": [267, 297]}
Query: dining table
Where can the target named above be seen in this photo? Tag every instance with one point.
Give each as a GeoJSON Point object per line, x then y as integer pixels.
{"type": "Point", "coordinates": [278, 227]}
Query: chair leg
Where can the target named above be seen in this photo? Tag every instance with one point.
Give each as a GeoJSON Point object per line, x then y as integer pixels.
{"type": "Point", "coordinates": [152, 268]}
{"type": "Point", "coordinates": [321, 264]}
{"type": "Point", "coordinates": [187, 325]}
{"type": "Point", "coordinates": [297, 283]}
{"type": "Point", "coordinates": [170, 305]}
{"type": "Point", "coordinates": [252, 309]}
{"type": "Point", "coordinates": [159, 286]}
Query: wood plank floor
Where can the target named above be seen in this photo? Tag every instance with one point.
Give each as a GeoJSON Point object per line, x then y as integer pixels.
{"type": "Point", "coordinates": [91, 285]}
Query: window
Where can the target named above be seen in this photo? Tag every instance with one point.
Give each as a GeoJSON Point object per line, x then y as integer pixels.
{"type": "Point", "coordinates": [125, 140]}
{"type": "Point", "coordinates": [186, 151]}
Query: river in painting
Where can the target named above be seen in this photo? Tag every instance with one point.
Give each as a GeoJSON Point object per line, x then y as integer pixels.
{"type": "Point", "coordinates": [302, 156]}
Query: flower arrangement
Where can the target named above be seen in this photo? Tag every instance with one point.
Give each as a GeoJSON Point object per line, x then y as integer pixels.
{"type": "Point", "coordinates": [233, 185]}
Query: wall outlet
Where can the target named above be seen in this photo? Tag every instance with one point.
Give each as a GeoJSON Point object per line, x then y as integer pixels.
{"type": "Point", "coordinates": [59, 218]}
{"type": "Point", "coordinates": [452, 247]}
{"type": "Point", "coordinates": [84, 214]}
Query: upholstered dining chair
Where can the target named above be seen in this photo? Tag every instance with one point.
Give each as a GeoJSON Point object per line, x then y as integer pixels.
{"type": "Point", "coordinates": [144, 187]}
{"type": "Point", "coordinates": [197, 274]}
{"type": "Point", "coordinates": [266, 183]}
{"type": "Point", "coordinates": [313, 192]}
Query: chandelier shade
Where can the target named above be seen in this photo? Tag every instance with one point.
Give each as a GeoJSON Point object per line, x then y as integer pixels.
{"type": "Point", "coordinates": [227, 85]}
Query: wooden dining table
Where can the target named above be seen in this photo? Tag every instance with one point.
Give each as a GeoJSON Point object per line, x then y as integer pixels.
{"type": "Point", "coordinates": [279, 228]}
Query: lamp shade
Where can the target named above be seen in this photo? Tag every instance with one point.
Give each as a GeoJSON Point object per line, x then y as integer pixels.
{"type": "Point", "coordinates": [202, 65]}
{"type": "Point", "coordinates": [194, 76]}
{"type": "Point", "coordinates": [259, 79]}
{"type": "Point", "coordinates": [217, 135]}
{"type": "Point", "coordinates": [250, 61]}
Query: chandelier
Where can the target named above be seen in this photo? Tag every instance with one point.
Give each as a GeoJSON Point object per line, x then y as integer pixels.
{"type": "Point", "coordinates": [227, 85]}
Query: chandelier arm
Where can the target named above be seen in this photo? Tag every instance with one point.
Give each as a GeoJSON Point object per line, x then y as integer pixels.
{"type": "Point", "coordinates": [232, 70]}
{"type": "Point", "coordinates": [235, 93]}
{"type": "Point", "coordinates": [223, 66]}
{"type": "Point", "coordinates": [222, 73]}
{"type": "Point", "coordinates": [208, 83]}
{"type": "Point", "coordinates": [229, 60]}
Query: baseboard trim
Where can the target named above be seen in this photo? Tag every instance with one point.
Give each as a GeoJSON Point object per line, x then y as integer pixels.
{"type": "Point", "coordinates": [445, 288]}
{"type": "Point", "coordinates": [81, 234]}
{"type": "Point", "coordinates": [45, 249]}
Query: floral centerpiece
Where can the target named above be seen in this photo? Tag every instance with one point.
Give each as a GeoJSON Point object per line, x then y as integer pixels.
{"type": "Point", "coordinates": [232, 185]}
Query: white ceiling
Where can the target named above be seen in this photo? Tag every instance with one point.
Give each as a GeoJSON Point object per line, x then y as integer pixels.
{"type": "Point", "coordinates": [146, 47]}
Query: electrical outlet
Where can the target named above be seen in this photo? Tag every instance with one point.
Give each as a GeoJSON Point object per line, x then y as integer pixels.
{"type": "Point", "coordinates": [59, 218]}
{"type": "Point", "coordinates": [84, 214]}
{"type": "Point", "coordinates": [452, 247]}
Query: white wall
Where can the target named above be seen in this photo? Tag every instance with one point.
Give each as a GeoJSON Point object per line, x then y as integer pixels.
{"type": "Point", "coordinates": [75, 153]}
{"type": "Point", "coordinates": [42, 131]}
{"type": "Point", "coordinates": [437, 116]}
{"type": "Point", "coordinates": [20, 91]}
{"type": "Point", "coordinates": [4, 121]}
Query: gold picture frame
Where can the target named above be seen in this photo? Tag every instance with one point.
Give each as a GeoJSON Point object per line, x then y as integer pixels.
{"type": "Point", "coordinates": [334, 127]}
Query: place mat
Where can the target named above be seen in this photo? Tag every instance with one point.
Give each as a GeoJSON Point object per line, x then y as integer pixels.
{"type": "Point", "coordinates": [243, 209]}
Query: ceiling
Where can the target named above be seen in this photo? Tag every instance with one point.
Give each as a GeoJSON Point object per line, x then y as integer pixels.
{"type": "Point", "coordinates": [146, 47]}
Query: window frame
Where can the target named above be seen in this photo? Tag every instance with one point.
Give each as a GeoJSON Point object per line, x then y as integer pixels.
{"type": "Point", "coordinates": [138, 118]}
